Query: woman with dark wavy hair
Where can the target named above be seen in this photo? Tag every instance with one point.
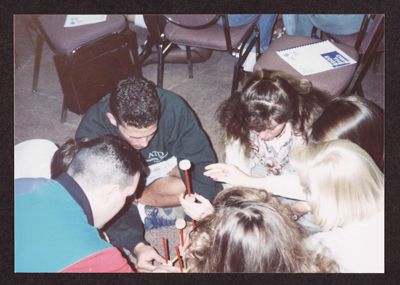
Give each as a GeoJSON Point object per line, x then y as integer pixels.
{"type": "Point", "coordinates": [263, 122]}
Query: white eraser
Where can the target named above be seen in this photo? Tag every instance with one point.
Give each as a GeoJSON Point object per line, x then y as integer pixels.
{"type": "Point", "coordinates": [180, 224]}
{"type": "Point", "coordinates": [184, 164]}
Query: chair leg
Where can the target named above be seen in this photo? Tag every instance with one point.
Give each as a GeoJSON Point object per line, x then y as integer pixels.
{"type": "Point", "coordinates": [147, 50]}
{"type": "Point", "coordinates": [160, 67]}
{"type": "Point", "coordinates": [66, 85]}
{"type": "Point", "coordinates": [258, 52]}
{"type": "Point", "coordinates": [235, 79]}
{"type": "Point", "coordinates": [359, 76]}
{"type": "Point", "coordinates": [359, 90]}
{"type": "Point", "coordinates": [38, 58]}
{"type": "Point", "coordinates": [189, 61]}
{"type": "Point", "coordinates": [377, 60]}
{"type": "Point", "coordinates": [63, 111]}
{"type": "Point", "coordinates": [132, 41]}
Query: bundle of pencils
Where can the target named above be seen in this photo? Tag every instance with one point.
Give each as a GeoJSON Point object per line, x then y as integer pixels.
{"type": "Point", "coordinates": [177, 258]}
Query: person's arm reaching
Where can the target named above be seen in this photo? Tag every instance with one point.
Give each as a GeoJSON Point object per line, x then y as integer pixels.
{"type": "Point", "coordinates": [126, 229]}
{"type": "Point", "coordinates": [197, 210]}
{"type": "Point", "coordinates": [191, 143]}
{"type": "Point", "coordinates": [287, 185]}
{"type": "Point", "coordinates": [146, 255]}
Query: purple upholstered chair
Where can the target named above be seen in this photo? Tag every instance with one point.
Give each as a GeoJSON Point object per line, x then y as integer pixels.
{"type": "Point", "coordinates": [89, 59]}
{"type": "Point", "coordinates": [344, 79]}
{"type": "Point", "coordinates": [202, 31]}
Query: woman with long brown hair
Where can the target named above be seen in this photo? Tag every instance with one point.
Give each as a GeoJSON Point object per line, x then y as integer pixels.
{"type": "Point", "coordinates": [250, 231]}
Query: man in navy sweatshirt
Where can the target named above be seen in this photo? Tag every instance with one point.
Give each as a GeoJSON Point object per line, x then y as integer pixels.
{"type": "Point", "coordinates": [164, 129]}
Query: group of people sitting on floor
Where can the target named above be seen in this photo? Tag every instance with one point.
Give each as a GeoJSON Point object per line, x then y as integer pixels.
{"type": "Point", "coordinates": [301, 188]}
{"type": "Point", "coordinates": [307, 174]}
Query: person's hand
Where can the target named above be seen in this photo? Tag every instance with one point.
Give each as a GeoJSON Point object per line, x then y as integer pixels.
{"type": "Point", "coordinates": [146, 255]}
{"type": "Point", "coordinates": [166, 268]}
{"type": "Point", "coordinates": [300, 208]}
{"type": "Point", "coordinates": [196, 210]}
{"type": "Point", "coordinates": [226, 173]}
{"type": "Point", "coordinates": [186, 245]}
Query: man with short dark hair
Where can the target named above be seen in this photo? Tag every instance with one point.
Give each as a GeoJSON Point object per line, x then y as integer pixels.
{"type": "Point", "coordinates": [57, 221]}
{"type": "Point", "coordinates": [165, 130]}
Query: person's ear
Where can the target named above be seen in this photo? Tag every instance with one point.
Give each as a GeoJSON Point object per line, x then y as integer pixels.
{"type": "Point", "coordinates": [131, 189]}
{"type": "Point", "coordinates": [111, 118]}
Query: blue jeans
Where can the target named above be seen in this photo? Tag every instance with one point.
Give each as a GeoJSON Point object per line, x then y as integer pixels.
{"type": "Point", "coordinates": [265, 25]}
{"type": "Point", "coordinates": [336, 24]}
{"type": "Point", "coordinates": [162, 217]}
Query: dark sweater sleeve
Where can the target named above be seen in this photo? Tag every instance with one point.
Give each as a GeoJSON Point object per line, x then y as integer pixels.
{"type": "Point", "coordinates": [192, 143]}
{"type": "Point", "coordinates": [126, 229]}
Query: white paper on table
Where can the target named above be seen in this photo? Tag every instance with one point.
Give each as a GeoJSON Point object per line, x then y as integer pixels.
{"type": "Point", "coordinates": [316, 57]}
{"type": "Point", "coordinates": [80, 20]}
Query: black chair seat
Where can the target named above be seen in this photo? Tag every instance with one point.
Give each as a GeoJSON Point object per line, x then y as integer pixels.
{"type": "Point", "coordinates": [210, 38]}
{"type": "Point", "coordinates": [323, 80]}
{"type": "Point", "coordinates": [90, 59]}
{"type": "Point", "coordinates": [65, 40]}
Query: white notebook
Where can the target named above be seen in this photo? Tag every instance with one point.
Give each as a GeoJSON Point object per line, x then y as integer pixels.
{"type": "Point", "coordinates": [79, 20]}
{"type": "Point", "coordinates": [316, 57]}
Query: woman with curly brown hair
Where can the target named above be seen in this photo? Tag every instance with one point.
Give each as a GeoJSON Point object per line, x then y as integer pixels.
{"type": "Point", "coordinates": [264, 122]}
{"type": "Point", "coordinates": [346, 117]}
{"type": "Point", "coordinates": [249, 231]}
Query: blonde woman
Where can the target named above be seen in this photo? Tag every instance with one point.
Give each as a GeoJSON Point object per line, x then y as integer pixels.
{"type": "Point", "coordinates": [345, 190]}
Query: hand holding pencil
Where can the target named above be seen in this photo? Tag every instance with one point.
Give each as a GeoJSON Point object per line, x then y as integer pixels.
{"type": "Point", "coordinates": [146, 256]}
{"type": "Point", "coordinates": [197, 210]}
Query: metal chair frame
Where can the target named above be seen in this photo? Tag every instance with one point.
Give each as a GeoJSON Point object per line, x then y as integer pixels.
{"type": "Point", "coordinates": [82, 55]}
{"type": "Point", "coordinates": [365, 59]}
{"type": "Point", "coordinates": [156, 27]}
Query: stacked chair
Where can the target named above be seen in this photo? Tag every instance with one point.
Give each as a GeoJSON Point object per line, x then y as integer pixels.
{"type": "Point", "coordinates": [89, 59]}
